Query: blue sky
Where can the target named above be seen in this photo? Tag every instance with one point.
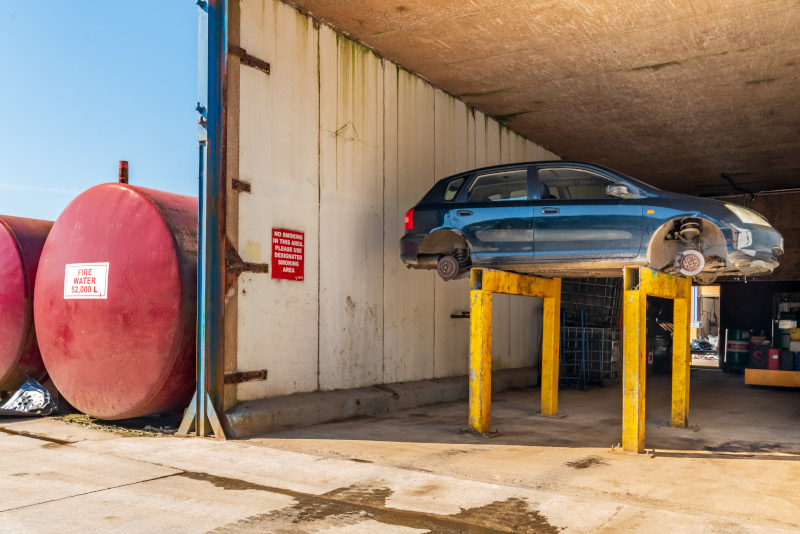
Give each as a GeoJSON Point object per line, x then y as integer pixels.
{"type": "Point", "coordinates": [86, 84]}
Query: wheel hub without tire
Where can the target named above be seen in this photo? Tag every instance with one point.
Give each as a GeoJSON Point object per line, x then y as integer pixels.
{"type": "Point", "coordinates": [690, 262]}
{"type": "Point", "coordinates": [447, 267]}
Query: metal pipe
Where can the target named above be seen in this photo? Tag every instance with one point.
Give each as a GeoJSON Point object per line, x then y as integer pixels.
{"type": "Point", "coordinates": [122, 172]}
{"type": "Point", "coordinates": [735, 186]}
{"type": "Point", "coordinates": [764, 193]}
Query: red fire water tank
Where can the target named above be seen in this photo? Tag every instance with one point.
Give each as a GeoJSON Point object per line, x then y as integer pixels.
{"type": "Point", "coordinates": [21, 242]}
{"type": "Point", "coordinates": [115, 301]}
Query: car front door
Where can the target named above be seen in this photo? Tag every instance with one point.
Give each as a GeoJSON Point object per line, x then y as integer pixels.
{"type": "Point", "coordinates": [575, 219]}
{"type": "Point", "coordinates": [495, 214]}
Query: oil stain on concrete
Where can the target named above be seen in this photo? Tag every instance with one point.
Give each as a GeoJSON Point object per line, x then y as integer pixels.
{"type": "Point", "coordinates": [746, 446]}
{"type": "Point", "coordinates": [363, 502]}
{"type": "Point", "coordinates": [512, 515]}
{"type": "Point", "coordinates": [586, 463]}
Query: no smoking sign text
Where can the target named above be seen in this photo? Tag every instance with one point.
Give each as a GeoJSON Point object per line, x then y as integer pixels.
{"type": "Point", "coordinates": [288, 254]}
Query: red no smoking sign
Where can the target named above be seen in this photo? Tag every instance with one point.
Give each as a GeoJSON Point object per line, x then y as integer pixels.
{"type": "Point", "coordinates": [288, 254]}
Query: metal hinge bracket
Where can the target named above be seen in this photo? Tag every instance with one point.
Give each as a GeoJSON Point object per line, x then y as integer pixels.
{"type": "Point", "coordinates": [234, 266]}
{"type": "Point", "coordinates": [245, 376]}
{"type": "Point", "coordinates": [240, 186]}
{"type": "Point", "coordinates": [247, 59]}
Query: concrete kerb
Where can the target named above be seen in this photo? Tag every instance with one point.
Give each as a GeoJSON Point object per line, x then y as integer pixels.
{"type": "Point", "coordinates": [262, 416]}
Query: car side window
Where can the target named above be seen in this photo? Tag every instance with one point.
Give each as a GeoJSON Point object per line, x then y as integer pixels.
{"type": "Point", "coordinates": [565, 183]}
{"type": "Point", "coordinates": [500, 186]}
{"type": "Point", "coordinates": [452, 189]}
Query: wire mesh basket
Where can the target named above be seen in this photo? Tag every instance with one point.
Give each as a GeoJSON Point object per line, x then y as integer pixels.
{"type": "Point", "coordinates": [600, 298]}
{"type": "Point", "coordinates": [590, 355]}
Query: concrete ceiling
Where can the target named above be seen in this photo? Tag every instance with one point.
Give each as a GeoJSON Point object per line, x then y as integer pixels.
{"type": "Point", "coordinates": [674, 92]}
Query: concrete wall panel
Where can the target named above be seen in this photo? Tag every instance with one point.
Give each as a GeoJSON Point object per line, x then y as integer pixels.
{"type": "Point", "coordinates": [525, 332]}
{"type": "Point", "coordinates": [505, 145]}
{"type": "Point", "coordinates": [278, 155]}
{"type": "Point", "coordinates": [492, 142]}
{"type": "Point", "coordinates": [472, 133]}
{"type": "Point", "coordinates": [454, 143]}
{"type": "Point", "coordinates": [414, 311]}
{"type": "Point", "coordinates": [531, 151]}
{"type": "Point", "coordinates": [518, 148]}
{"type": "Point", "coordinates": [392, 226]}
{"type": "Point", "coordinates": [481, 127]}
{"type": "Point", "coordinates": [546, 155]}
{"type": "Point", "coordinates": [351, 216]}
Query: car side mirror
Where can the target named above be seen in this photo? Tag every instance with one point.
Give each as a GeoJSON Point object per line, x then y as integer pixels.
{"type": "Point", "coordinates": [617, 190]}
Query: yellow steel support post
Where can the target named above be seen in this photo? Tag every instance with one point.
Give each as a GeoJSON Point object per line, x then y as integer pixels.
{"type": "Point", "coordinates": [640, 283]}
{"type": "Point", "coordinates": [480, 361]}
{"type": "Point", "coordinates": [681, 355]}
{"type": "Point", "coordinates": [483, 283]}
{"type": "Point", "coordinates": [551, 326]}
{"type": "Point", "coordinates": [634, 357]}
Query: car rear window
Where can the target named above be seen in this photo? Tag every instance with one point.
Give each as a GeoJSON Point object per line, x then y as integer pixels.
{"type": "Point", "coordinates": [452, 189]}
{"type": "Point", "coordinates": [499, 186]}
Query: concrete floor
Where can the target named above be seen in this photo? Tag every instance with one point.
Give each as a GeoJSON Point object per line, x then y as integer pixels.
{"type": "Point", "coordinates": [735, 470]}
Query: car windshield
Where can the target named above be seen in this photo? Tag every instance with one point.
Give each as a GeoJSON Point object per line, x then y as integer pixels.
{"type": "Point", "coordinates": [634, 181]}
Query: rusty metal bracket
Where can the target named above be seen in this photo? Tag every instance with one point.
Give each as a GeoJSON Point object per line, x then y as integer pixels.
{"type": "Point", "coordinates": [240, 185]}
{"type": "Point", "coordinates": [247, 59]}
{"type": "Point", "coordinates": [245, 376]}
{"type": "Point", "coordinates": [234, 266]}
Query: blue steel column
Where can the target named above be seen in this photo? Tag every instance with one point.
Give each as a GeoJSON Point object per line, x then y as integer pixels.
{"type": "Point", "coordinates": [212, 92]}
{"type": "Point", "coordinates": [214, 203]}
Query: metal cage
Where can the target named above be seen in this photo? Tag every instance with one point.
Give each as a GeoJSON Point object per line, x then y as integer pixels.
{"type": "Point", "coordinates": [600, 298]}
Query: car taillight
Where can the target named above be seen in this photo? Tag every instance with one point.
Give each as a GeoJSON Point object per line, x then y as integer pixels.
{"type": "Point", "coordinates": [410, 219]}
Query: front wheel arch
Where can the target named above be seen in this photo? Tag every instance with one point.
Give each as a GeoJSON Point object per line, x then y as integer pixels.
{"type": "Point", "coordinates": [661, 252]}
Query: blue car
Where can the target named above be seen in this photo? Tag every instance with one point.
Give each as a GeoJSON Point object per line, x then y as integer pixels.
{"type": "Point", "coordinates": [573, 219]}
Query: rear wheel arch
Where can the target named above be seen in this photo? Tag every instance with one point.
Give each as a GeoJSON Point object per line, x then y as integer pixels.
{"type": "Point", "coordinates": [444, 241]}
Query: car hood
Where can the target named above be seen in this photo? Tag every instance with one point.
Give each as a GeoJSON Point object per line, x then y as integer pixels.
{"type": "Point", "coordinates": [706, 208]}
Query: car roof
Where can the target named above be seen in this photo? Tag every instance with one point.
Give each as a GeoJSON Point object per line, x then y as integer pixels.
{"type": "Point", "coordinates": [557, 163]}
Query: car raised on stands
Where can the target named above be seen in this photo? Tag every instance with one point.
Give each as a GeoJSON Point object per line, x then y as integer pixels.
{"type": "Point", "coordinates": [573, 219]}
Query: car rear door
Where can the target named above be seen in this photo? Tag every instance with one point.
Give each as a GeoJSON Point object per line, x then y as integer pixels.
{"type": "Point", "coordinates": [575, 220]}
{"type": "Point", "coordinates": [495, 214]}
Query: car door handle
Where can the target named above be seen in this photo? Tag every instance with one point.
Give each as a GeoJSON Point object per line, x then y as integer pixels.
{"type": "Point", "coordinates": [464, 213]}
{"type": "Point", "coordinates": [550, 210]}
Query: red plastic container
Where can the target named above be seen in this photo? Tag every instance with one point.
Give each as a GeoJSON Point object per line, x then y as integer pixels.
{"type": "Point", "coordinates": [21, 242]}
{"type": "Point", "coordinates": [115, 301]}
{"type": "Point", "coordinates": [774, 359]}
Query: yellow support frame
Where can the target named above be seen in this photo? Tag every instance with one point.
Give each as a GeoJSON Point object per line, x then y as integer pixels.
{"type": "Point", "coordinates": [767, 377]}
{"type": "Point", "coordinates": [639, 283]}
{"type": "Point", "coordinates": [484, 282]}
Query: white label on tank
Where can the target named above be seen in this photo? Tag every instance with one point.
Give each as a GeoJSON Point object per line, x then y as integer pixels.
{"type": "Point", "coordinates": [86, 281]}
